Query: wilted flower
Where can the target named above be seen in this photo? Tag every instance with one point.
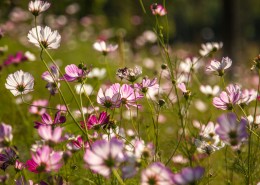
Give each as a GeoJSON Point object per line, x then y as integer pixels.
{"type": "Point", "coordinates": [109, 98]}
{"type": "Point", "coordinates": [36, 7]}
{"type": "Point", "coordinates": [50, 134]}
{"type": "Point", "coordinates": [227, 99]}
{"type": "Point", "coordinates": [104, 48]}
{"type": "Point", "coordinates": [7, 158]}
{"type": "Point", "coordinates": [94, 122]}
{"type": "Point", "coordinates": [129, 74]}
{"type": "Point", "coordinates": [48, 121]}
{"type": "Point", "coordinates": [44, 160]}
{"type": "Point", "coordinates": [209, 48]}
{"type": "Point", "coordinates": [230, 130]}
{"type": "Point", "coordinates": [104, 156]}
{"type": "Point", "coordinates": [75, 73]}
{"type": "Point", "coordinates": [156, 174]}
{"type": "Point", "coordinates": [188, 176]}
{"type": "Point", "coordinates": [37, 107]}
{"type": "Point", "coordinates": [219, 67]}
{"type": "Point", "coordinates": [20, 83]}
{"type": "Point", "coordinates": [209, 91]}
{"type": "Point", "coordinates": [158, 9]}
{"type": "Point", "coordinates": [44, 37]}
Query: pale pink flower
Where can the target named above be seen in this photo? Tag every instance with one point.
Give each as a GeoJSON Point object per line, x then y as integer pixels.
{"type": "Point", "coordinates": [158, 9]}
{"type": "Point", "coordinates": [101, 46]}
{"type": "Point", "coordinates": [210, 48]}
{"type": "Point", "coordinates": [37, 107]}
{"type": "Point", "coordinates": [104, 156]}
{"type": "Point", "coordinates": [219, 67]}
{"type": "Point", "coordinates": [147, 84]}
{"type": "Point", "coordinates": [75, 73]}
{"type": "Point", "coordinates": [109, 98]}
{"type": "Point", "coordinates": [50, 134]}
{"type": "Point", "coordinates": [227, 99]}
{"type": "Point", "coordinates": [6, 135]}
{"type": "Point", "coordinates": [36, 7]}
{"type": "Point", "coordinates": [209, 91]}
{"type": "Point", "coordinates": [247, 96]}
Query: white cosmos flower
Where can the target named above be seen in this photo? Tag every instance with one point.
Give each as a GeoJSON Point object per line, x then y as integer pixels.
{"type": "Point", "coordinates": [210, 47]}
{"type": "Point", "coordinates": [48, 39]}
{"type": "Point", "coordinates": [97, 73]}
{"type": "Point", "coordinates": [86, 89]}
{"type": "Point", "coordinates": [103, 47]}
{"type": "Point", "coordinates": [210, 91]}
{"type": "Point", "coordinates": [36, 7]}
{"type": "Point", "coordinates": [20, 83]}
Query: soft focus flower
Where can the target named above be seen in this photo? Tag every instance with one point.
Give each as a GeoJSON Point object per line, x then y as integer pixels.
{"type": "Point", "coordinates": [209, 91]}
{"type": "Point", "coordinates": [129, 74]}
{"type": "Point", "coordinates": [84, 88]}
{"type": "Point", "coordinates": [109, 98]}
{"type": "Point", "coordinates": [104, 48]}
{"type": "Point", "coordinates": [44, 160]}
{"type": "Point", "coordinates": [219, 67]}
{"type": "Point", "coordinates": [50, 134]}
{"type": "Point", "coordinates": [44, 38]}
{"type": "Point", "coordinates": [227, 99]}
{"type": "Point", "coordinates": [48, 121]}
{"type": "Point", "coordinates": [37, 107]}
{"type": "Point", "coordinates": [97, 73]}
{"type": "Point", "coordinates": [15, 59]}
{"type": "Point", "coordinates": [76, 143]}
{"type": "Point", "coordinates": [19, 165]}
{"type": "Point", "coordinates": [104, 156]}
{"type": "Point", "coordinates": [230, 130]}
{"type": "Point", "coordinates": [179, 159]}
{"type": "Point", "coordinates": [186, 93]}
{"type": "Point", "coordinates": [128, 95]}
{"type": "Point", "coordinates": [189, 64]}
{"type": "Point", "coordinates": [247, 96]}
{"type": "Point", "coordinates": [147, 84]}
{"type": "Point", "coordinates": [75, 73]}
{"type": "Point", "coordinates": [30, 56]}
{"type": "Point", "coordinates": [188, 176]}
{"type": "Point", "coordinates": [52, 79]}
{"type": "Point", "coordinates": [156, 174]}
{"type": "Point", "coordinates": [94, 122]}
{"type": "Point", "coordinates": [36, 7]}
{"type": "Point", "coordinates": [6, 135]}
{"type": "Point", "coordinates": [210, 48]}
{"type": "Point", "coordinates": [20, 83]}
{"type": "Point", "coordinates": [7, 158]}
{"type": "Point", "coordinates": [158, 9]}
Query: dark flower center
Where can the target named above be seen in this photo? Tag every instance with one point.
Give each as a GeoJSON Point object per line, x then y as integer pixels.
{"type": "Point", "coordinates": [20, 88]}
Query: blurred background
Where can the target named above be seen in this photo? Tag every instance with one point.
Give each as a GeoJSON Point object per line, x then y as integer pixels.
{"type": "Point", "coordinates": [235, 22]}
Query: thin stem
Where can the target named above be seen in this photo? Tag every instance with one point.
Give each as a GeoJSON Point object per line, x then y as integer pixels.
{"type": "Point", "coordinates": [120, 180]}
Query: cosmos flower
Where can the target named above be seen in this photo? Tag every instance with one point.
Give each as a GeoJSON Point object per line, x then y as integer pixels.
{"type": "Point", "coordinates": [36, 7]}
{"type": "Point", "coordinates": [156, 174]}
{"type": "Point", "coordinates": [97, 73]}
{"type": "Point", "coordinates": [6, 135]}
{"type": "Point", "coordinates": [188, 176]}
{"type": "Point", "coordinates": [52, 79]}
{"type": "Point", "coordinates": [147, 84]}
{"type": "Point", "coordinates": [7, 158]}
{"type": "Point", "coordinates": [48, 121]}
{"type": "Point", "coordinates": [101, 46]}
{"type": "Point", "coordinates": [76, 143]}
{"type": "Point", "coordinates": [230, 130]}
{"type": "Point", "coordinates": [44, 37]}
{"type": "Point", "coordinates": [209, 48]}
{"type": "Point", "coordinates": [75, 73]}
{"type": "Point", "coordinates": [209, 91]}
{"type": "Point", "coordinates": [37, 107]}
{"type": "Point", "coordinates": [247, 96]}
{"type": "Point", "coordinates": [129, 74]}
{"type": "Point", "coordinates": [104, 156]}
{"type": "Point", "coordinates": [94, 122]}
{"type": "Point", "coordinates": [227, 99]}
{"type": "Point", "coordinates": [189, 64]}
{"type": "Point", "coordinates": [158, 9]}
{"type": "Point", "coordinates": [20, 83]}
{"type": "Point", "coordinates": [44, 160]}
{"type": "Point", "coordinates": [109, 98]}
{"type": "Point", "coordinates": [15, 59]}
{"type": "Point", "coordinates": [219, 67]}
{"type": "Point", "coordinates": [50, 134]}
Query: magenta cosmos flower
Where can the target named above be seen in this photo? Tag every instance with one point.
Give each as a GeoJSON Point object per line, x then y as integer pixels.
{"type": "Point", "coordinates": [156, 174]}
{"type": "Point", "coordinates": [188, 176]}
{"type": "Point", "coordinates": [95, 122]}
{"type": "Point", "coordinates": [230, 130]}
{"type": "Point", "coordinates": [104, 156]}
{"type": "Point", "coordinates": [44, 160]}
{"type": "Point", "coordinates": [109, 98]}
{"type": "Point", "coordinates": [227, 99]}
{"type": "Point", "coordinates": [75, 73]}
{"type": "Point", "coordinates": [15, 59]}
{"type": "Point", "coordinates": [158, 9]}
{"type": "Point", "coordinates": [48, 121]}
{"type": "Point", "coordinates": [128, 95]}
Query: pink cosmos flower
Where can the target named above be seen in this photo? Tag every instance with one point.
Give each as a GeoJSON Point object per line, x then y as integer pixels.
{"type": "Point", "coordinates": [15, 59]}
{"type": "Point", "coordinates": [75, 73]}
{"type": "Point", "coordinates": [188, 176]}
{"type": "Point", "coordinates": [247, 96]}
{"type": "Point", "coordinates": [230, 130]}
{"type": "Point", "coordinates": [48, 121]}
{"type": "Point", "coordinates": [49, 134]}
{"type": "Point", "coordinates": [44, 160]}
{"type": "Point", "coordinates": [77, 143]}
{"type": "Point", "coordinates": [182, 87]}
{"type": "Point", "coordinates": [104, 156]}
{"type": "Point", "coordinates": [94, 122]}
{"type": "Point", "coordinates": [158, 9]}
{"type": "Point", "coordinates": [109, 98]}
{"type": "Point", "coordinates": [147, 84]}
{"type": "Point", "coordinates": [101, 46]}
{"type": "Point", "coordinates": [128, 95]}
{"type": "Point", "coordinates": [38, 107]}
{"type": "Point", "coordinates": [227, 99]}
{"type": "Point", "coordinates": [52, 79]}
{"type": "Point", "coordinates": [6, 135]}
{"type": "Point", "coordinates": [156, 174]}
{"type": "Point", "coordinates": [219, 67]}
{"type": "Point", "coordinates": [19, 165]}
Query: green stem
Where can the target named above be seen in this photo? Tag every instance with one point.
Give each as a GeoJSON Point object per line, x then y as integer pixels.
{"type": "Point", "coordinates": [120, 180]}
